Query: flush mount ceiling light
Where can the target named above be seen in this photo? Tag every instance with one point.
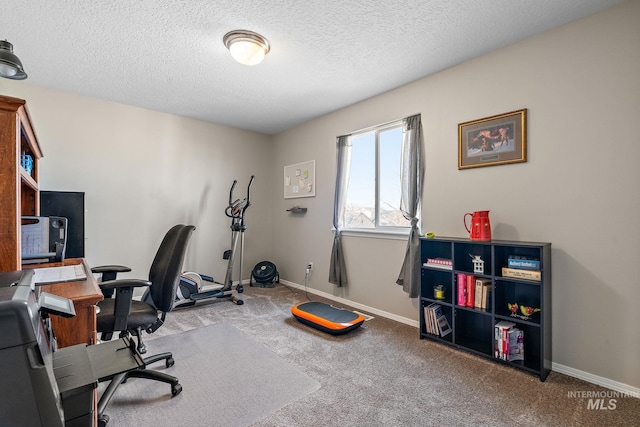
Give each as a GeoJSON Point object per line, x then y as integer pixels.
{"type": "Point", "coordinates": [246, 47]}
{"type": "Point", "coordinates": [10, 65]}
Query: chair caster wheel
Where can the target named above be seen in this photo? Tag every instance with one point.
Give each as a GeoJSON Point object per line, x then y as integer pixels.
{"type": "Point", "coordinates": [240, 289]}
{"type": "Point", "coordinates": [176, 389]}
{"type": "Point", "coordinates": [239, 302]}
{"type": "Point", "coordinates": [103, 420]}
{"type": "Point", "coordinates": [170, 362]}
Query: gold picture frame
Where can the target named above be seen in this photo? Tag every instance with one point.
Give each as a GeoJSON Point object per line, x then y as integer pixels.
{"type": "Point", "coordinates": [495, 140]}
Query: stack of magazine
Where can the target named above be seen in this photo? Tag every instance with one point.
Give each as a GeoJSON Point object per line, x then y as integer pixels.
{"type": "Point", "coordinates": [435, 321]}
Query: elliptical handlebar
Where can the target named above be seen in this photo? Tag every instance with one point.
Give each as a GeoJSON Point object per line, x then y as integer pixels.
{"type": "Point", "coordinates": [235, 181]}
{"type": "Point", "coordinates": [249, 190]}
{"type": "Point", "coordinates": [237, 207]}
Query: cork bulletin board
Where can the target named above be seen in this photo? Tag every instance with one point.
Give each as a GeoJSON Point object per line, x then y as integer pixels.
{"type": "Point", "coordinates": [300, 180]}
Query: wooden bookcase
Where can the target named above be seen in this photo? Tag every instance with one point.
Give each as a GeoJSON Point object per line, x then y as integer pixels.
{"type": "Point", "coordinates": [473, 328]}
{"type": "Point", "coordinates": [19, 189]}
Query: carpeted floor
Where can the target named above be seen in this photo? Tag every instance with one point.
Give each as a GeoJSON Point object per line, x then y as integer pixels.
{"type": "Point", "coordinates": [228, 380]}
{"type": "Point", "coordinates": [382, 374]}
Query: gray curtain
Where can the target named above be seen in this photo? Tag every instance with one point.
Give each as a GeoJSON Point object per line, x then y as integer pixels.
{"type": "Point", "coordinates": [338, 268]}
{"type": "Point", "coordinates": [412, 177]}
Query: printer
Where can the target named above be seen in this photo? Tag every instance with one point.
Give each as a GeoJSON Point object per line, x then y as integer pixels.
{"type": "Point", "coordinates": [31, 396]}
{"type": "Point", "coordinates": [42, 385]}
{"type": "Point", "coordinates": [43, 239]}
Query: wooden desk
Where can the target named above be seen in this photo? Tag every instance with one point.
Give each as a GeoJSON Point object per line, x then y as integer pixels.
{"type": "Point", "coordinates": [82, 328]}
{"type": "Point", "coordinates": [85, 294]}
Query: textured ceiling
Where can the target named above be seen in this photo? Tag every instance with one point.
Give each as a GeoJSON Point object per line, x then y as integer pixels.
{"type": "Point", "coordinates": [168, 55]}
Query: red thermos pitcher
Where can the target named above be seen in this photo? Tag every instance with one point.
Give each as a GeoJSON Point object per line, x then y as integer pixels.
{"type": "Point", "coordinates": [480, 225]}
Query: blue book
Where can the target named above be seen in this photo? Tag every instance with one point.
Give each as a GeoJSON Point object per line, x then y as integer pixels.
{"type": "Point", "coordinates": [523, 264]}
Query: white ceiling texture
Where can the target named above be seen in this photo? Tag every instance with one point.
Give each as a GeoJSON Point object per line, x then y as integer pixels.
{"type": "Point", "coordinates": [168, 55]}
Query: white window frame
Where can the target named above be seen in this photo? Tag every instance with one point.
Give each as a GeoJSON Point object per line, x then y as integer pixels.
{"type": "Point", "coordinates": [393, 232]}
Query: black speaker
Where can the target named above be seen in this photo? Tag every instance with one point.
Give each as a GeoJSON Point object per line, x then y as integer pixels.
{"type": "Point", "coordinates": [70, 205]}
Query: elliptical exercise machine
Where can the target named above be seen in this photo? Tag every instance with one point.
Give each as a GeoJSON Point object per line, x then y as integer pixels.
{"type": "Point", "coordinates": [191, 290]}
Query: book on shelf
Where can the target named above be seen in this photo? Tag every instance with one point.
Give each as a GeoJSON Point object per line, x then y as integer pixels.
{"type": "Point", "coordinates": [501, 338]}
{"type": "Point", "coordinates": [486, 296]}
{"type": "Point", "coordinates": [441, 263]}
{"type": "Point", "coordinates": [429, 319]}
{"type": "Point", "coordinates": [443, 326]}
{"type": "Point", "coordinates": [470, 290]}
{"type": "Point", "coordinates": [509, 342]}
{"type": "Point", "coordinates": [482, 293]}
{"type": "Point", "coordinates": [517, 273]}
{"type": "Point", "coordinates": [523, 263]}
{"type": "Point", "coordinates": [462, 289]}
{"type": "Point", "coordinates": [435, 321]}
{"type": "Point", "coordinates": [436, 311]}
{"type": "Point", "coordinates": [478, 294]}
{"type": "Point", "coordinates": [433, 326]}
{"type": "Point", "coordinates": [515, 345]}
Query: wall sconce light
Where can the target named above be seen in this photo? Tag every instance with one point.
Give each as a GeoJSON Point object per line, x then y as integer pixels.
{"type": "Point", "coordinates": [246, 47]}
{"type": "Point", "coordinates": [10, 65]}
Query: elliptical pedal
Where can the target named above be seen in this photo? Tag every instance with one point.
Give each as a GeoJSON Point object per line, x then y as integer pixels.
{"type": "Point", "coordinates": [206, 295]}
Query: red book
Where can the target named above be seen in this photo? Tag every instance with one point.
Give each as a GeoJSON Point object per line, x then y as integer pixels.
{"type": "Point", "coordinates": [462, 290]}
{"type": "Point", "coordinates": [471, 291]}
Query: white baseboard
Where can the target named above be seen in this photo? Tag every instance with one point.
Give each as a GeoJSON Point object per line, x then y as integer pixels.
{"type": "Point", "coordinates": [595, 379]}
{"type": "Point", "coordinates": [556, 367]}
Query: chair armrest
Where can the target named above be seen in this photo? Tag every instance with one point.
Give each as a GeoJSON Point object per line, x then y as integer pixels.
{"type": "Point", "coordinates": [109, 272]}
{"type": "Point", "coordinates": [110, 269]}
{"type": "Point", "coordinates": [106, 268]}
{"type": "Point", "coordinates": [124, 283]}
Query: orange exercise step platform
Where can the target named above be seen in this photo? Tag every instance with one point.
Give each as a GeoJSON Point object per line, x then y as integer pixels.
{"type": "Point", "coordinates": [327, 318]}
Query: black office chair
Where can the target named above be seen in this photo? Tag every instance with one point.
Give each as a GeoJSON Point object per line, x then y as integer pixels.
{"type": "Point", "coordinates": [127, 316]}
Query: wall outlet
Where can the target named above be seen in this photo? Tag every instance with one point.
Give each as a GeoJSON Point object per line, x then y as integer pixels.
{"type": "Point", "coordinates": [309, 266]}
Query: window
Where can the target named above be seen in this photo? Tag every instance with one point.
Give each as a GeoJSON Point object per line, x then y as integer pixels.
{"type": "Point", "coordinates": [373, 188]}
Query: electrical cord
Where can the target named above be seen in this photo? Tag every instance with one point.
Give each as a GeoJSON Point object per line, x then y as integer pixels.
{"type": "Point", "coordinates": [306, 276]}
{"type": "Point", "coordinates": [304, 283]}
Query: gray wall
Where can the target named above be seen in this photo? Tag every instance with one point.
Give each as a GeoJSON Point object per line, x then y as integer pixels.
{"type": "Point", "coordinates": [144, 171]}
{"type": "Point", "coordinates": [581, 86]}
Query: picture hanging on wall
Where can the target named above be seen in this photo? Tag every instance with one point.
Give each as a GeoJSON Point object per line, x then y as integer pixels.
{"type": "Point", "coordinates": [300, 180]}
{"type": "Point", "coordinates": [495, 140]}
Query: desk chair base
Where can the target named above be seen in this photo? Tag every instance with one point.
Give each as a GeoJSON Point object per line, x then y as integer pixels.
{"type": "Point", "coordinates": [176, 387]}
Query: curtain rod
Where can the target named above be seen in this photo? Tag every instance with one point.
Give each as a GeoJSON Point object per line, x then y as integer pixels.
{"type": "Point", "coordinates": [377, 126]}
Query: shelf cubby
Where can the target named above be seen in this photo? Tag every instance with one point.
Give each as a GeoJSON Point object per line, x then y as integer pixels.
{"type": "Point", "coordinates": [474, 331]}
{"type": "Point", "coordinates": [434, 278]}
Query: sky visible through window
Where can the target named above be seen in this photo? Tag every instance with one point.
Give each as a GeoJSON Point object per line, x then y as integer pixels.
{"type": "Point", "coordinates": [362, 181]}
